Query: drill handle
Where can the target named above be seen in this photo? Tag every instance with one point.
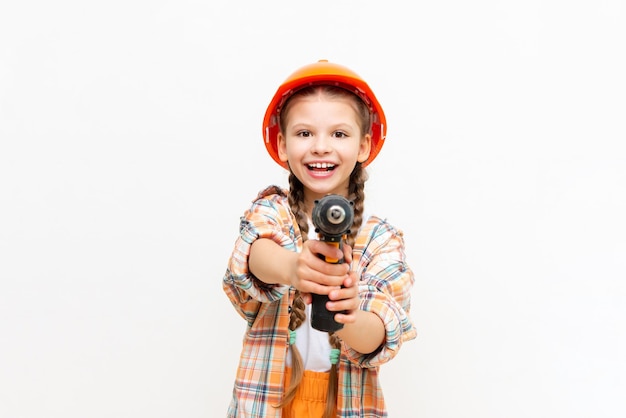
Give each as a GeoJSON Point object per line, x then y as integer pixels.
{"type": "Point", "coordinates": [334, 243]}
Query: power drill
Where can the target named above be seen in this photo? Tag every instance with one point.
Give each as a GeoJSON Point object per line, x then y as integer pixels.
{"type": "Point", "coordinates": [332, 217]}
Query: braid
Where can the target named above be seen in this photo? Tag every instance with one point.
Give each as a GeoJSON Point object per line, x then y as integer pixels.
{"type": "Point", "coordinates": [357, 193]}
{"type": "Point", "coordinates": [296, 201]}
{"type": "Point", "coordinates": [297, 316]}
{"type": "Point", "coordinates": [333, 380]}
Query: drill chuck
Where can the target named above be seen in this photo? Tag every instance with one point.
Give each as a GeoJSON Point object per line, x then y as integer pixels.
{"type": "Point", "coordinates": [333, 216]}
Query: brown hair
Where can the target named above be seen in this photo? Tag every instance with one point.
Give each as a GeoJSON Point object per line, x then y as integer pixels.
{"type": "Point", "coordinates": [356, 193]}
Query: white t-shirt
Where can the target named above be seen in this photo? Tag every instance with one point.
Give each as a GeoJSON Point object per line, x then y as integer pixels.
{"type": "Point", "coordinates": [313, 346]}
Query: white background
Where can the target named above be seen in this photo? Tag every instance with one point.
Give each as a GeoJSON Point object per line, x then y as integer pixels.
{"type": "Point", "coordinates": [130, 144]}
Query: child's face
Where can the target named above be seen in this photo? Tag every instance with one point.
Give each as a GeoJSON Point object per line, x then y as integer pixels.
{"type": "Point", "coordinates": [322, 143]}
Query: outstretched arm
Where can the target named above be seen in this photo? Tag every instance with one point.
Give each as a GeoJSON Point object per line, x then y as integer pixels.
{"type": "Point", "coordinates": [273, 264]}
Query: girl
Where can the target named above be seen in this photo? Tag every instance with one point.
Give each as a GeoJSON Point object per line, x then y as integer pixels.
{"type": "Point", "coordinates": [325, 126]}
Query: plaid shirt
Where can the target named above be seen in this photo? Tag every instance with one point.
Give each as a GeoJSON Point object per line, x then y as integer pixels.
{"type": "Point", "coordinates": [385, 289]}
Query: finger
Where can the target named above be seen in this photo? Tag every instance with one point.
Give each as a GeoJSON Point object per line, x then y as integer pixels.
{"type": "Point", "coordinates": [345, 317]}
{"type": "Point", "coordinates": [328, 274]}
{"type": "Point", "coordinates": [315, 257]}
{"type": "Point", "coordinates": [318, 289]}
{"type": "Point", "coordinates": [348, 282]}
{"type": "Point", "coordinates": [333, 280]}
{"type": "Point", "coordinates": [347, 253]}
{"type": "Point", "coordinates": [343, 293]}
{"type": "Point", "coordinates": [316, 271]}
{"type": "Point", "coordinates": [343, 305]}
{"type": "Point", "coordinates": [325, 250]}
{"type": "Point", "coordinates": [351, 281]}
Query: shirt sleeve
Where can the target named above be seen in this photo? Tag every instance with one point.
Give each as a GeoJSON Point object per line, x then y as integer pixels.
{"type": "Point", "coordinates": [266, 218]}
{"type": "Point", "coordinates": [385, 287]}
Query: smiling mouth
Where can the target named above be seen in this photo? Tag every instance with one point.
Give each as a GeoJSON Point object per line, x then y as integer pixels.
{"type": "Point", "coordinates": [321, 167]}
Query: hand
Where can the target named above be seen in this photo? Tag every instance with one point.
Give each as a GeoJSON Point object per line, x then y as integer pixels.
{"type": "Point", "coordinates": [344, 299]}
{"type": "Point", "coordinates": [314, 275]}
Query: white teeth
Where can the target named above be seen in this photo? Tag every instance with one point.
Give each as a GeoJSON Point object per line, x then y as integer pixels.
{"type": "Point", "coordinates": [321, 165]}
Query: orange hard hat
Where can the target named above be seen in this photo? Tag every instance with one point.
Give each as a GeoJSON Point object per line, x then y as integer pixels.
{"type": "Point", "coordinates": [323, 72]}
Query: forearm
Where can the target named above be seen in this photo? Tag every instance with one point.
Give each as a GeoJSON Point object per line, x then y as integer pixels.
{"type": "Point", "coordinates": [271, 263]}
{"type": "Point", "coordinates": [364, 335]}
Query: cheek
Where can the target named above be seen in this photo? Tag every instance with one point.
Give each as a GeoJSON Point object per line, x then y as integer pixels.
{"type": "Point", "coordinates": [294, 149]}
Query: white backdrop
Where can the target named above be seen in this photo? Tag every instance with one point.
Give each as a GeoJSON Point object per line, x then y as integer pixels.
{"type": "Point", "coordinates": [130, 144]}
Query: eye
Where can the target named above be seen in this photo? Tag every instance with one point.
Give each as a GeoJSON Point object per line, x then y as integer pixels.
{"type": "Point", "coordinates": [340, 134]}
{"type": "Point", "coordinates": [303, 134]}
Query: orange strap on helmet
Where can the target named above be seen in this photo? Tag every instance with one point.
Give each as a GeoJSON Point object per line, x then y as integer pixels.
{"type": "Point", "coordinates": [323, 72]}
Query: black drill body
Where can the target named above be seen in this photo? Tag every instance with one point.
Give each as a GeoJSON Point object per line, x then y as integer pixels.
{"type": "Point", "coordinates": [332, 217]}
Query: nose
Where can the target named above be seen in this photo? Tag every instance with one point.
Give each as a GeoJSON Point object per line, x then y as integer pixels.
{"type": "Point", "coordinates": [321, 145]}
